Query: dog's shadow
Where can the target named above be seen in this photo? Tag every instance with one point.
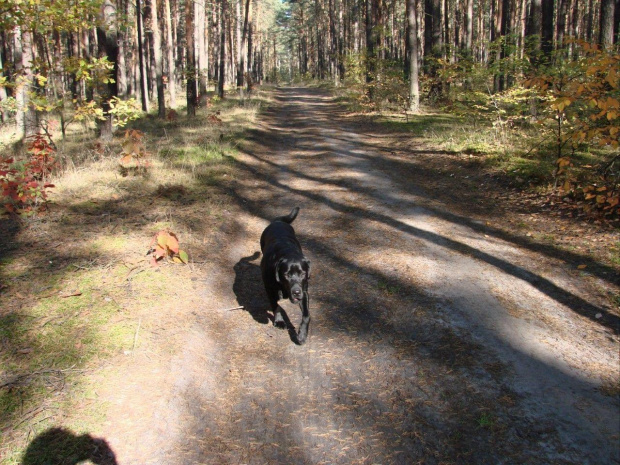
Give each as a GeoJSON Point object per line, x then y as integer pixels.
{"type": "Point", "coordinates": [250, 292]}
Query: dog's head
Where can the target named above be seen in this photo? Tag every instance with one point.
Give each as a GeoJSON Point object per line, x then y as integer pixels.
{"type": "Point", "coordinates": [293, 275]}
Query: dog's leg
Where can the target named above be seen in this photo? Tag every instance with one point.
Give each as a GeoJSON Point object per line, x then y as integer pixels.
{"type": "Point", "coordinates": [305, 318]}
{"type": "Point", "coordinates": [278, 320]}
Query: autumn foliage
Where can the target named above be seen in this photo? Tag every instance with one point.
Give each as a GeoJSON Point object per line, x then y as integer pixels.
{"type": "Point", "coordinates": [24, 189]}
{"type": "Point", "coordinates": [582, 100]}
{"type": "Point", "coordinates": [165, 245]}
{"type": "Point", "coordinates": [134, 149]}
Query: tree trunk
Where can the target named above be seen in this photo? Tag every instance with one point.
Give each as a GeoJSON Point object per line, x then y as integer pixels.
{"type": "Point", "coordinates": [546, 43]}
{"type": "Point", "coordinates": [412, 45]}
{"type": "Point", "coordinates": [505, 31]}
{"type": "Point", "coordinates": [251, 66]}
{"type": "Point", "coordinates": [606, 30]}
{"type": "Point", "coordinates": [222, 72]}
{"type": "Point", "coordinates": [3, 94]}
{"type": "Point", "coordinates": [201, 48]}
{"type": "Point", "coordinates": [496, 35]}
{"type": "Point", "coordinates": [561, 23]}
{"type": "Point", "coordinates": [26, 117]}
{"type": "Point", "coordinates": [469, 27]}
{"type": "Point", "coordinates": [172, 82]}
{"type": "Point", "coordinates": [143, 83]}
{"type": "Point", "coordinates": [192, 89]}
{"type": "Point", "coordinates": [533, 30]}
{"type": "Point", "coordinates": [107, 38]}
{"type": "Point", "coordinates": [244, 36]}
{"type": "Point", "coordinates": [159, 62]}
{"type": "Point", "coordinates": [432, 36]}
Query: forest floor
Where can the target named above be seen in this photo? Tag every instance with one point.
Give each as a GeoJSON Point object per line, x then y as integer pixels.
{"type": "Point", "coordinates": [447, 325]}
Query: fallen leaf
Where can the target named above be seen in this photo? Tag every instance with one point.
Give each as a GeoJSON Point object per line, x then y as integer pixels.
{"type": "Point", "coordinates": [582, 267]}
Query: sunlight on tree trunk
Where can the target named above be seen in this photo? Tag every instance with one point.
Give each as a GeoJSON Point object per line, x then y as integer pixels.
{"type": "Point", "coordinates": [412, 45]}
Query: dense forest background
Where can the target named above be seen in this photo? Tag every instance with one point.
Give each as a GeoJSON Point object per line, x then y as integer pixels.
{"type": "Point", "coordinates": [508, 64]}
{"type": "Point", "coordinates": [81, 55]}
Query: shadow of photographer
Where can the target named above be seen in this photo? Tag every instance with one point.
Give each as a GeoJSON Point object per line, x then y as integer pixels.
{"type": "Point", "coordinates": [59, 446]}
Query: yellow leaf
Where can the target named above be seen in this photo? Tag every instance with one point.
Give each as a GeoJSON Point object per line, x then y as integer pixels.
{"type": "Point", "coordinates": [612, 79]}
{"type": "Point", "coordinates": [611, 115]}
{"type": "Point", "coordinates": [162, 238]}
{"type": "Point", "coordinates": [600, 199]}
{"type": "Point", "coordinates": [564, 161]}
{"type": "Point", "coordinates": [566, 186]}
{"type": "Point", "coordinates": [582, 267]}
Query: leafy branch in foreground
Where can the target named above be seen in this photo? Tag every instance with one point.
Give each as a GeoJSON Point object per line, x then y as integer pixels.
{"type": "Point", "coordinates": [24, 190]}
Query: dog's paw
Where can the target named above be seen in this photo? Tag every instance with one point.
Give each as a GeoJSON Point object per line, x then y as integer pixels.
{"type": "Point", "coordinates": [279, 322]}
{"type": "Point", "coordinates": [301, 337]}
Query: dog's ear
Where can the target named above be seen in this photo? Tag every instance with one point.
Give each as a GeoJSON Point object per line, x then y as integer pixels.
{"type": "Point", "coordinates": [306, 267]}
{"type": "Point", "coordinates": [278, 264]}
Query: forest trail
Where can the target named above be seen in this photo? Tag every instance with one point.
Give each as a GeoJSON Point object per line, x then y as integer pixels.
{"type": "Point", "coordinates": [432, 340]}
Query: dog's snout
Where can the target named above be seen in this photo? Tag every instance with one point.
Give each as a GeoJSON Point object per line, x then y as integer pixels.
{"type": "Point", "coordinates": [297, 292]}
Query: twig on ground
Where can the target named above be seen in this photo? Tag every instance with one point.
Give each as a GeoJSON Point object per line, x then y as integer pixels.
{"type": "Point", "coordinates": [19, 378]}
{"type": "Point", "coordinates": [240, 307]}
{"type": "Point", "coordinates": [135, 337]}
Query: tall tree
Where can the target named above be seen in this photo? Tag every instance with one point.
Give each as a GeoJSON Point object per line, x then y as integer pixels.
{"type": "Point", "coordinates": [561, 22]}
{"type": "Point", "coordinates": [107, 37]}
{"type": "Point", "coordinates": [3, 93]}
{"type": "Point", "coordinates": [142, 72]}
{"type": "Point", "coordinates": [190, 68]}
{"type": "Point", "coordinates": [546, 42]}
{"type": "Point", "coordinates": [433, 43]}
{"type": "Point", "coordinates": [244, 36]}
{"type": "Point", "coordinates": [606, 30]}
{"type": "Point", "coordinates": [201, 48]}
{"type": "Point", "coordinates": [27, 118]}
{"type": "Point", "coordinates": [171, 65]}
{"type": "Point", "coordinates": [533, 29]}
{"type": "Point", "coordinates": [412, 45]}
{"type": "Point", "coordinates": [158, 58]}
{"type": "Point", "coordinates": [222, 72]}
{"type": "Point", "coordinates": [469, 27]}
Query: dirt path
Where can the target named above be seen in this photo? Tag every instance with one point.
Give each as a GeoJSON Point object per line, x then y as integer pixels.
{"type": "Point", "coordinates": [432, 340]}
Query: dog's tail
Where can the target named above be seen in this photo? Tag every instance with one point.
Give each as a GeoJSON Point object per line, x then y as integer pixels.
{"type": "Point", "coordinates": [290, 217]}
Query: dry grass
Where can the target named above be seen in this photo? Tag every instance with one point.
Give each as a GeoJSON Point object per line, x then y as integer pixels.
{"type": "Point", "coordinates": [76, 289]}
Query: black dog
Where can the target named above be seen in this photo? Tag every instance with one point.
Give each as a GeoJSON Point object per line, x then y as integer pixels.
{"type": "Point", "coordinates": [285, 270]}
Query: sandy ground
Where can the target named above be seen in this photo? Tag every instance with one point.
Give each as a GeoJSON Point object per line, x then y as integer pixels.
{"type": "Point", "coordinates": [433, 340]}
